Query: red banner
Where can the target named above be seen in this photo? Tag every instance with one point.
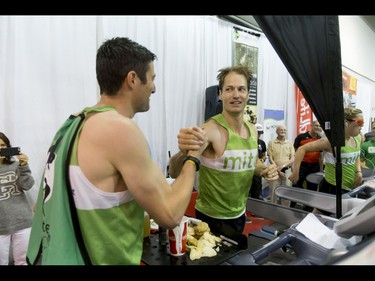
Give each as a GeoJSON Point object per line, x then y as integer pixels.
{"type": "Point", "coordinates": [304, 113]}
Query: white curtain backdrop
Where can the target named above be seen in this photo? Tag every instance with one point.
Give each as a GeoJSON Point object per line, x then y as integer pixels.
{"type": "Point", "coordinates": [365, 90]}
{"type": "Point", "coordinates": [276, 88]}
{"type": "Point", "coordinates": [190, 50]}
{"type": "Point", "coordinates": [47, 72]}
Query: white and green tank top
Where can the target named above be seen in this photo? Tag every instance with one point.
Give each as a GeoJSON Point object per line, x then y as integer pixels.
{"type": "Point", "coordinates": [76, 223]}
{"type": "Point", "coordinates": [224, 182]}
{"type": "Point", "coordinates": [111, 223]}
{"type": "Point", "coordinates": [349, 156]}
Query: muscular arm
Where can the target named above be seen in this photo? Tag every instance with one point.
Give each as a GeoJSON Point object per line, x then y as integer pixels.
{"type": "Point", "coordinates": [175, 164]}
{"type": "Point", "coordinates": [321, 162]}
{"type": "Point", "coordinates": [318, 145]}
{"type": "Point", "coordinates": [186, 143]}
{"type": "Point", "coordinates": [363, 157]}
{"type": "Point", "coordinates": [357, 176]}
{"type": "Point", "coordinates": [117, 157]}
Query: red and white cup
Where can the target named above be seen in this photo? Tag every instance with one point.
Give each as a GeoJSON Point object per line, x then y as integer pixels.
{"type": "Point", "coordinates": [178, 238]}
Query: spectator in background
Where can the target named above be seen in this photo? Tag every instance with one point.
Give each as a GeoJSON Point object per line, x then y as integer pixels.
{"type": "Point", "coordinates": [367, 135]}
{"type": "Point", "coordinates": [368, 152]}
{"type": "Point", "coordinates": [281, 153]}
{"type": "Point", "coordinates": [15, 210]}
{"type": "Point", "coordinates": [256, 186]}
{"type": "Point", "coordinates": [312, 161]}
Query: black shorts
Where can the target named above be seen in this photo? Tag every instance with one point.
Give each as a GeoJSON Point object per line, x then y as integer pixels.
{"type": "Point", "coordinates": [326, 187]}
{"type": "Point", "coordinates": [216, 225]}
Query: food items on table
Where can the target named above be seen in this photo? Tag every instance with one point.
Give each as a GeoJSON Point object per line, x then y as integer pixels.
{"type": "Point", "coordinates": [201, 242]}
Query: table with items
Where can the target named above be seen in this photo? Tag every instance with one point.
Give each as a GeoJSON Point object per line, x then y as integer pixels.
{"type": "Point", "coordinates": [204, 248]}
{"type": "Point", "coordinates": [312, 240]}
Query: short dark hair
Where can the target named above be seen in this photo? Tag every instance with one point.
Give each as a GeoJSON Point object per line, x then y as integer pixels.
{"type": "Point", "coordinates": [118, 56]}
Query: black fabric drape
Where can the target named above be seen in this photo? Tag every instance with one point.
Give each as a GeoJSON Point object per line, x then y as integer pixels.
{"type": "Point", "coordinates": [309, 47]}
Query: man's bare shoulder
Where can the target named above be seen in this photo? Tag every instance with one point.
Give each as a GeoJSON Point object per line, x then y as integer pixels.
{"type": "Point", "coordinates": [110, 124]}
{"type": "Point", "coordinates": [210, 125]}
{"type": "Point", "coordinates": [212, 129]}
{"type": "Point", "coordinates": [112, 117]}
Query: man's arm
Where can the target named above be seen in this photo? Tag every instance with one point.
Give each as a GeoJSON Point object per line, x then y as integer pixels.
{"type": "Point", "coordinates": [363, 156]}
{"type": "Point", "coordinates": [176, 163]}
{"type": "Point", "coordinates": [321, 161]}
{"type": "Point", "coordinates": [264, 150]}
{"type": "Point", "coordinates": [144, 179]}
{"type": "Point", "coordinates": [186, 143]}
{"type": "Point", "coordinates": [268, 172]}
{"type": "Point", "coordinates": [357, 173]}
{"type": "Point", "coordinates": [318, 145]}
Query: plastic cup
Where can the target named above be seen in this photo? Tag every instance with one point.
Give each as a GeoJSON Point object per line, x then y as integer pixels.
{"type": "Point", "coordinates": [178, 237]}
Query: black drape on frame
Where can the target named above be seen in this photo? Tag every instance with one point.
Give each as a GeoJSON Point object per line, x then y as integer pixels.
{"type": "Point", "coordinates": [309, 47]}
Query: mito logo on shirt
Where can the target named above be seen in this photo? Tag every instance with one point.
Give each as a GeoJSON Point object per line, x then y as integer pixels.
{"type": "Point", "coordinates": [349, 158]}
{"type": "Point", "coordinates": [233, 161]}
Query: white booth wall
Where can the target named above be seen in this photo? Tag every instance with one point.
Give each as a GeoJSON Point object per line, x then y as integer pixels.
{"type": "Point", "coordinates": [358, 60]}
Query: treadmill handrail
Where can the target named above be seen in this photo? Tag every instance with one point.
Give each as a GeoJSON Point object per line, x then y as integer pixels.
{"type": "Point", "coordinates": [316, 199]}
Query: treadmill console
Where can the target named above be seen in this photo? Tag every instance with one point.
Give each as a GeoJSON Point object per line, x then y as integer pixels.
{"type": "Point", "coordinates": [357, 221]}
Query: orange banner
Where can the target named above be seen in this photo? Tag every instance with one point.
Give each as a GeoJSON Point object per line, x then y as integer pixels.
{"type": "Point", "coordinates": [304, 113]}
{"type": "Point", "coordinates": [349, 83]}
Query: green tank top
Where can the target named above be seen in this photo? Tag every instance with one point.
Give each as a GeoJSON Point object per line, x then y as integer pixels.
{"type": "Point", "coordinates": [224, 183]}
{"type": "Point", "coordinates": [349, 156]}
{"type": "Point", "coordinates": [76, 223]}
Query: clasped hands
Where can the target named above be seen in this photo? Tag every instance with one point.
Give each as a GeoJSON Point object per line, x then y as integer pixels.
{"type": "Point", "coordinates": [192, 139]}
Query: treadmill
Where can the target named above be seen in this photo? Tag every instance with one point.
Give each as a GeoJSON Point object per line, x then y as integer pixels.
{"type": "Point", "coordinates": [294, 247]}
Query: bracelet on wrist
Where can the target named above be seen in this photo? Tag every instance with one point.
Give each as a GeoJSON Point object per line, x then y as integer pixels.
{"type": "Point", "coordinates": [358, 172]}
{"type": "Point", "coordinates": [194, 160]}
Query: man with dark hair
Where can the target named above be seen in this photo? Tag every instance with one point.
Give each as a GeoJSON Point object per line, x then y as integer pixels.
{"type": "Point", "coordinates": [102, 177]}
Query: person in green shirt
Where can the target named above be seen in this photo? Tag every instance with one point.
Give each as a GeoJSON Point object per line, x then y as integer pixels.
{"type": "Point", "coordinates": [368, 151]}
{"type": "Point", "coordinates": [350, 156]}
{"type": "Point", "coordinates": [231, 158]}
{"type": "Point", "coordinates": [90, 208]}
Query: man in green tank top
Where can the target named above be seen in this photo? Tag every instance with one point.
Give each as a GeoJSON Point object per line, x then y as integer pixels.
{"type": "Point", "coordinates": [230, 159]}
{"type": "Point", "coordinates": [100, 178]}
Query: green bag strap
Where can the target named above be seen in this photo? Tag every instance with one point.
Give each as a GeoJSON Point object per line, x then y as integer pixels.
{"type": "Point", "coordinates": [73, 209]}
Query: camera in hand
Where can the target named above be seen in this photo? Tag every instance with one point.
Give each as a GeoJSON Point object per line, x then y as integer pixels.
{"type": "Point", "coordinates": [10, 151]}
